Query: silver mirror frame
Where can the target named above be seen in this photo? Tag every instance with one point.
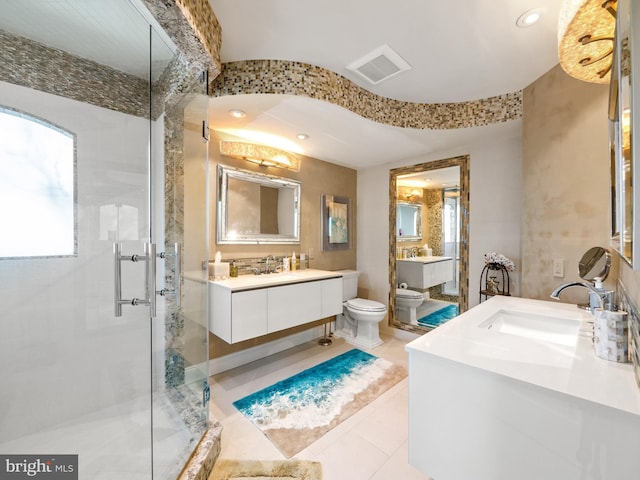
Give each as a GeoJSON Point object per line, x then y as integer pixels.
{"type": "Point", "coordinates": [223, 235]}
{"type": "Point", "coordinates": [624, 130]}
{"type": "Point", "coordinates": [462, 162]}
{"type": "Point", "coordinates": [418, 235]}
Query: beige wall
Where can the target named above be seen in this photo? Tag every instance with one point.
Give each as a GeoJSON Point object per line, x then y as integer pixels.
{"type": "Point", "coordinates": [318, 178]}
{"type": "Point", "coordinates": [565, 188]}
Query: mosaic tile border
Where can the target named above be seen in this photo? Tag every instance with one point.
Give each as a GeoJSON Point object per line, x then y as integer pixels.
{"type": "Point", "coordinates": [627, 304]}
{"type": "Point", "coordinates": [34, 65]}
{"type": "Point", "coordinates": [205, 455]}
{"type": "Point", "coordinates": [285, 77]}
{"type": "Point", "coordinates": [194, 28]}
{"type": "Point", "coordinates": [205, 24]}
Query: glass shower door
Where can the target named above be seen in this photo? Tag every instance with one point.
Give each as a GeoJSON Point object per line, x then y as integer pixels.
{"type": "Point", "coordinates": [180, 331]}
{"type": "Point", "coordinates": [451, 238]}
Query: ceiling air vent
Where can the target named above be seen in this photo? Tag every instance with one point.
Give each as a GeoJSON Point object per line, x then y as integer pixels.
{"type": "Point", "coordinates": [380, 64]}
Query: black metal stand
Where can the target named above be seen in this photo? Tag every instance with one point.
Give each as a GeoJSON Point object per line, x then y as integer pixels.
{"type": "Point", "coordinates": [325, 340]}
{"type": "Point", "coordinates": [497, 284]}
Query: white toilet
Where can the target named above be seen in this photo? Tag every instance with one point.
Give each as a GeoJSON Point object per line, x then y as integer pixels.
{"type": "Point", "coordinates": [406, 303]}
{"type": "Point", "coordinates": [358, 324]}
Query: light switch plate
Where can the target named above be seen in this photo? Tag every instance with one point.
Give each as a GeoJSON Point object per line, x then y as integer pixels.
{"type": "Point", "coordinates": [558, 267]}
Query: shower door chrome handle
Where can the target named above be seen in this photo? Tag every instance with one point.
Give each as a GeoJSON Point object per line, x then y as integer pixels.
{"type": "Point", "coordinates": [150, 278]}
{"type": "Point", "coordinates": [177, 269]}
{"type": "Point", "coordinates": [150, 252]}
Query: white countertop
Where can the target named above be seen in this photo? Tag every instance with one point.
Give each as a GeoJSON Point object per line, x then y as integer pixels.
{"type": "Point", "coordinates": [249, 282]}
{"type": "Point", "coordinates": [573, 370]}
{"type": "Point", "coordinates": [424, 259]}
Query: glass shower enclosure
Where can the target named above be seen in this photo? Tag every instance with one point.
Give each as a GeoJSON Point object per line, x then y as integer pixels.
{"type": "Point", "coordinates": [103, 218]}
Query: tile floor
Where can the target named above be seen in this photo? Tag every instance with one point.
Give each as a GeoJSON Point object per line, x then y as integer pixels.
{"type": "Point", "coordinates": [372, 444]}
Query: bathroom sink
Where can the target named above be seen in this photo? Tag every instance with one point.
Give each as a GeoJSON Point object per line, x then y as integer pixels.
{"type": "Point", "coordinates": [544, 328]}
{"type": "Point", "coordinates": [285, 276]}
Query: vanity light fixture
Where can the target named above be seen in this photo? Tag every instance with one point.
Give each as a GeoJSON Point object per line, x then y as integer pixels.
{"type": "Point", "coordinates": [529, 18]}
{"type": "Point", "coordinates": [260, 154]}
{"type": "Point", "coordinates": [585, 38]}
{"type": "Point", "coordinates": [235, 113]}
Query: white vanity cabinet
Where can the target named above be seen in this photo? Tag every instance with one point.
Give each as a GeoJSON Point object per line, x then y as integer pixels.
{"type": "Point", "coordinates": [248, 308]}
{"type": "Point", "coordinates": [241, 310]}
{"type": "Point", "coordinates": [292, 305]}
{"type": "Point", "coordinates": [331, 297]}
{"type": "Point", "coordinates": [526, 400]}
{"type": "Point", "coordinates": [425, 272]}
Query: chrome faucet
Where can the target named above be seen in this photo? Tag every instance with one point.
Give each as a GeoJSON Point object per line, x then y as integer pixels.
{"type": "Point", "coordinates": [266, 264]}
{"type": "Point", "coordinates": [605, 298]}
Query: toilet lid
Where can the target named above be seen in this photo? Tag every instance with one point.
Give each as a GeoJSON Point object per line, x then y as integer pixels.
{"type": "Point", "coordinates": [406, 293]}
{"type": "Point", "coordinates": [366, 305]}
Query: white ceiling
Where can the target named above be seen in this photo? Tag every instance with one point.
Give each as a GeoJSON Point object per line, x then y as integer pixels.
{"type": "Point", "coordinates": [459, 50]}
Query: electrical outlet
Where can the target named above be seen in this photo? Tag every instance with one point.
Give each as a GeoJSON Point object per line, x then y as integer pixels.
{"type": "Point", "coordinates": [312, 253]}
{"type": "Point", "coordinates": [558, 267]}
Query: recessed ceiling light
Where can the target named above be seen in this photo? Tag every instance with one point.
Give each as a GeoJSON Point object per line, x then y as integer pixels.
{"type": "Point", "coordinates": [302, 136]}
{"type": "Point", "coordinates": [235, 113]}
{"type": "Point", "coordinates": [529, 17]}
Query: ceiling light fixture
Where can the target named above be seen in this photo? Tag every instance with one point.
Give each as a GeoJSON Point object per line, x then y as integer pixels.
{"type": "Point", "coordinates": [302, 136]}
{"type": "Point", "coordinates": [235, 113]}
{"type": "Point", "coordinates": [585, 38]}
{"type": "Point", "coordinates": [529, 18]}
{"type": "Point", "coordinates": [260, 154]}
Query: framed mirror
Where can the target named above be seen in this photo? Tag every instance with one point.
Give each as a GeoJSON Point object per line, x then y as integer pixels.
{"type": "Point", "coordinates": [428, 274]}
{"type": "Point", "coordinates": [257, 208]}
{"type": "Point", "coordinates": [625, 218]}
{"type": "Point", "coordinates": [408, 221]}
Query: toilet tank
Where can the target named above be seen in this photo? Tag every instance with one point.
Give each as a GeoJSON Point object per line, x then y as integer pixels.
{"type": "Point", "coordinates": [349, 284]}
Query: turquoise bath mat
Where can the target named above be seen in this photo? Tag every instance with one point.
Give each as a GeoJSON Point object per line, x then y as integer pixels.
{"type": "Point", "coordinates": [295, 412]}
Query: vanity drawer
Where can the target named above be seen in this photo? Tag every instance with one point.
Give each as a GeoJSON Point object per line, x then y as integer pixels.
{"type": "Point", "coordinates": [249, 313]}
{"type": "Point", "coordinates": [293, 305]}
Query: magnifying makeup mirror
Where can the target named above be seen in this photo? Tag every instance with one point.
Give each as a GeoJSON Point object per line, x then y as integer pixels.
{"type": "Point", "coordinates": [595, 263]}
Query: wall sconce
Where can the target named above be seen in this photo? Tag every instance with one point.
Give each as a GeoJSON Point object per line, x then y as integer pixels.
{"type": "Point", "coordinates": [260, 154]}
{"type": "Point", "coordinates": [410, 194]}
{"type": "Point", "coordinates": [585, 38]}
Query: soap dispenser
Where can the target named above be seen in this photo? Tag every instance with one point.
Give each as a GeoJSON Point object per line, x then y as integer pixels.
{"type": "Point", "coordinates": [293, 262]}
{"type": "Point", "coordinates": [601, 298]}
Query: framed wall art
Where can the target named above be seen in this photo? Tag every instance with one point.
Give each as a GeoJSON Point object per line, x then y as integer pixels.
{"type": "Point", "coordinates": [335, 223]}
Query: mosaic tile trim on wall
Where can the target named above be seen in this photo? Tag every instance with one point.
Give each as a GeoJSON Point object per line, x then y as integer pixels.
{"type": "Point", "coordinates": [627, 305]}
{"type": "Point", "coordinates": [33, 65]}
{"type": "Point", "coordinates": [295, 78]}
{"type": "Point", "coordinates": [205, 24]}
{"type": "Point", "coordinates": [194, 28]}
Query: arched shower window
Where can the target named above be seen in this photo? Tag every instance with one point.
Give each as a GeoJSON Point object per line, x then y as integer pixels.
{"type": "Point", "coordinates": [37, 187]}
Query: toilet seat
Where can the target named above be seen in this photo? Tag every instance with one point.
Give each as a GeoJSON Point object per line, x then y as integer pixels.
{"type": "Point", "coordinates": [406, 293]}
{"type": "Point", "coordinates": [364, 305]}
